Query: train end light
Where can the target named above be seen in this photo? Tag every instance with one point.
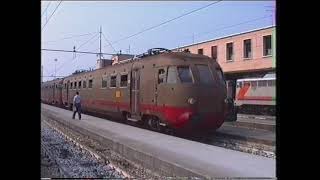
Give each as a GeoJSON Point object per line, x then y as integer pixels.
{"type": "Point", "coordinates": [191, 101]}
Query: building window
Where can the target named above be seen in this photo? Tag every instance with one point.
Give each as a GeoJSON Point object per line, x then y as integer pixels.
{"type": "Point", "coordinates": [229, 50]}
{"type": "Point", "coordinates": [75, 85]}
{"type": "Point", "coordinates": [79, 84]}
{"type": "Point", "coordinates": [214, 52]}
{"type": "Point", "coordinates": [247, 48]}
{"type": "Point", "coordinates": [71, 85]}
{"type": "Point", "coordinates": [124, 80]}
{"type": "Point", "coordinates": [90, 83]}
{"type": "Point", "coordinates": [161, 76]}
{"type": "Point", "coordinates": [65, 85]}
{"type": "Point", "coordinates": [113, 81]}
{"type": "Point", "coordinates": [267, 45]}
{"type": "Point", "coordinates": [200, 51]}
{"type": "Point", "coordinates": [104, 82]}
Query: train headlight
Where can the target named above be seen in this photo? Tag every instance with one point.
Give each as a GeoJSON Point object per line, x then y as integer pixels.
{"type": "Point", "coordinates": [191, 101]}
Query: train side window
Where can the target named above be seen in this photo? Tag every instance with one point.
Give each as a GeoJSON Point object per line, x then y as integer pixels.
{"type": "Point", "coordinates": [113, 81]}
{"type": "Point", "coordinates": [254, 83]}
{"type": "Point", "coordinates": [184, 74]}
{"type": "Point", "coordinates": [205, 74]}
{"type": "Point", "coordinates": [271, 83]}
{"type": "Point", "coordinates": [103, 82]}
{"type": "Point", "coordinates": [84, 84]}
{"type": "Point", "coordinates": [124, 80]}
{"type": "Point", "coordinates": [172, 75]}
{"type": "Point", "coordinates": [90, 83]}
{"type": "Point", "coordinates": [262, 83]}
{"type": "Point", "coordinates": [79, 84]}
{"type": "Point", "coordinates": [161, 76]}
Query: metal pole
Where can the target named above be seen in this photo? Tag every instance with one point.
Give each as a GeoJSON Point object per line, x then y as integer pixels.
{"type": "Point", "coordinates": [100, 42]}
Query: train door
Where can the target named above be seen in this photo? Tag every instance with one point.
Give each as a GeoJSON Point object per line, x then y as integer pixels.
{"type": "Point", "coordinates": [160, 77]}
{"type": "Point", "coordinates": [68, 82]}
{"type": "Point", "coordinates": [53, 92]}
{"type": "Point", "coordinates": [60, 94]}
{"type": "Point", "coordinates": [135, 91]}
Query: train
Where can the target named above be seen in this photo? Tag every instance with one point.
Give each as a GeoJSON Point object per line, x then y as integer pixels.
{"type": "Point", "coordinates": [160, 88]}
{"type": "Point", "coordinates": [256, 95]}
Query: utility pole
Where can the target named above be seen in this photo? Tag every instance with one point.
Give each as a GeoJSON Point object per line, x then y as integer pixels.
{"type": "Point", "coordinates": [100, 43]}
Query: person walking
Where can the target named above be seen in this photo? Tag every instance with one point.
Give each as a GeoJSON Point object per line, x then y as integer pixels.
{"type": "Point", "coordinates": [76, 106]}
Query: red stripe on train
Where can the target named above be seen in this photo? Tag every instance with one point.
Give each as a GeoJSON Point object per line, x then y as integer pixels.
{"type": "Point", "coordinates": [257, 98]}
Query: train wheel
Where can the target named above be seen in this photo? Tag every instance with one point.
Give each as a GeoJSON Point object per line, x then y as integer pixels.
{"type": "Point", "coordinates": [154, 123]}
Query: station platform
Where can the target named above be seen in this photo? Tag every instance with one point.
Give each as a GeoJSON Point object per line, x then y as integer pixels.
{"type": "Point", "coordinates": [164, 154]}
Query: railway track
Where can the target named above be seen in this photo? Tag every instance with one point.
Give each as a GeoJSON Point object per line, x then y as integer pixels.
{"type": "Point", "coordinates": [103, 154]}
{"type": "Point", "coordinates": [71, 159]}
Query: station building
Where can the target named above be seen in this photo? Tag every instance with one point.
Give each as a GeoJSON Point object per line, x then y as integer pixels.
{"type": "Point", "coordinates": [243, 55]}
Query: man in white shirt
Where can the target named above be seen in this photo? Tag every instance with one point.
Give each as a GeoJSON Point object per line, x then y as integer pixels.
{"type": "Point", "coordinates": [77, 106]}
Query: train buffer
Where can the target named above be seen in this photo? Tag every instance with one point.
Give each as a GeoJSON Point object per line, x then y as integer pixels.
{"type": "Point", "coordinates": [164, 154]}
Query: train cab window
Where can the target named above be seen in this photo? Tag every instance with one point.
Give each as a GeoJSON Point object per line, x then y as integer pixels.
{"type": "Point", "coordinates": [103, 82]}
{"type": "Point", "coordinates": [79, 84]}
{"type": "Point", "coordinates": [161, 76]}
{"type": "Point", "coordinates": [205, 74]}
{"type": "Point", "coordinates": [184, 74]}
{"type": "Point", "coordinates": [172, 75]}
{"type": "Point", "coordinates": [113, 81]}
{"type": "Point", "coordinates": [124, 80]}
{"type": "Point", "coordinates": [90, 83]}
{"type": "Point", "coordinates": [262, 83]}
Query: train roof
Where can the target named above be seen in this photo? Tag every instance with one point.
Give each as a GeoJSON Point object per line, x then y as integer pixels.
{"type": "Point", "coordinates": [256, 79]}
{"type": "Point", "coordinates": [271, 76]}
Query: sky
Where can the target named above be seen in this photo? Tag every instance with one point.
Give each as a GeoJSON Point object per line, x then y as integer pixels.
{"type": "Point", "coordinates": [77, 23]}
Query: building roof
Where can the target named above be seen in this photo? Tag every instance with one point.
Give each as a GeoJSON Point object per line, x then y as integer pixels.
{"type": "Point", "coordinates": [237, 34]}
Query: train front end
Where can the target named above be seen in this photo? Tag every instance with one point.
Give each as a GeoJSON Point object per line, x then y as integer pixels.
{"type": "Point", "coordinates": [202, 96]}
